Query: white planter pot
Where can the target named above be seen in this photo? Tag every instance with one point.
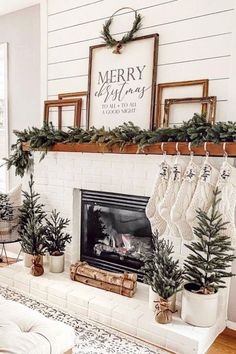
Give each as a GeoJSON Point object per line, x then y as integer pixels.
{"type": "Point", "coordinates": [153, 297]}
{"type": "Point", "coordinates": [56, 263]}
{"type": "Point", "coordinates": [28, 260]}
{"type": "Point", "coordinates": [199, 309]}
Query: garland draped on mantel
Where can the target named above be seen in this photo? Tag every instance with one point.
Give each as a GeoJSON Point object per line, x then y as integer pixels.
{"type": "Point", "coordinates": [197, 131]}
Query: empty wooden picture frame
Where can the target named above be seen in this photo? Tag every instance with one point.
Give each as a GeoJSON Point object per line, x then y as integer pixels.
{"type": "Point", "coordinates": [72, 94]}
{"type": "Point", "coordinates": [69, 95]}
{"type": "Point", "coordinates": [161, 87]}
{"type": "Point", "coordinates": [206, 102]}
{"type": "Point", "coordinates": [72, 102]}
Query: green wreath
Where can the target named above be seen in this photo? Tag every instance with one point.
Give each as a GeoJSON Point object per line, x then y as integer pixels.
{"type": "Point", "coordinates": [110, 41]}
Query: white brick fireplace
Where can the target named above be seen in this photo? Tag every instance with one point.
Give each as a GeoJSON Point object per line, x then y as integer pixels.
{"type": "Point", "coordinates": [59, 179]}
{"type": "Point", "coordinates": [60, 176]}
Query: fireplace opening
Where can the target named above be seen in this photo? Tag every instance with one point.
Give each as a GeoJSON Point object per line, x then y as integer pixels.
{"type": "Point", "coordinates": [115, 232]}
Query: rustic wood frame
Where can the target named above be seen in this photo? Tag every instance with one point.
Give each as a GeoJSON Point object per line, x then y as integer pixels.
{"type": "Point", "coordinates": [166, 85]}
{"type": "Point", "coordinates": [72, 94]}
{"type": "Point", "coordinates": [67, 95]}
{"type": "Point", "coordinates": [72, 102]}
{"type": "Point", "coordinates": [205, 101]}
{"type": "Point", "coordinates": [154, 75]}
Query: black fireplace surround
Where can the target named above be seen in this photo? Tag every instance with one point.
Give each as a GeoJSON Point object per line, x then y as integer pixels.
{"type": "Point", "coordinates": [115, 232]}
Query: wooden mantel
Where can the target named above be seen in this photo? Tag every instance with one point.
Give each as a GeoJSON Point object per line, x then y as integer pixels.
{"type": "Point", "coordinates": [155, 149]}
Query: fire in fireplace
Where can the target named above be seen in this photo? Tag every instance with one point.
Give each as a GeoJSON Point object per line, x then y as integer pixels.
{"type": "Point", "coordinates": [115, 232]}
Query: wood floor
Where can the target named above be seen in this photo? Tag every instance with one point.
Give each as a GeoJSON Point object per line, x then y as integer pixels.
{"type": "Point", "coordinates": [225, 343]}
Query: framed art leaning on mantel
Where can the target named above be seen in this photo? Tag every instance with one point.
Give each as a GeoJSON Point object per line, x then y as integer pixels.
{"type": "Point", "coordinates": [121, 87]}
{"type": "Point", "coordinates": [72, 102]}
{"type": "Point", "coordinates": [208, 107]}
{"type": "Point", "coordinates": [178, 89]}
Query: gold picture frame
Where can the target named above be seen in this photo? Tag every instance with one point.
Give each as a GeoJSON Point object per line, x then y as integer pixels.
{"type": "Point", "coordinates": [205, 101]}
{"type": "Point", "coordinates": [159, 94]}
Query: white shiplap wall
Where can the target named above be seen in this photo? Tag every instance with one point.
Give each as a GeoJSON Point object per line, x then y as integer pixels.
{"type": "Point", "coordinates": [195, 41]}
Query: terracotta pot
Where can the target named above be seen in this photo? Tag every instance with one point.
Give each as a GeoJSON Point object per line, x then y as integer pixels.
{"type": "Point", "coordinates": [57, 263]}
{"type": "Point", "coordinates": [28, 260]}
{"type": "Point", "coordinates": [37, 268]}
{"type": "Point", "coordinates": [199, 309]}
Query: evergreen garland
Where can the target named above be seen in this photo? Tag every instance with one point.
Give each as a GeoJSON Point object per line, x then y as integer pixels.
{"type": "Point", "coordinates": [56, 238]}
{"type": "Point", "coordinates": [32, 216]}
{"type": "Point", "coordinates": [211, 254]}
{"type": "Point", "coordinates": [197, 130]}
{"type": "Point", "coordinates": [160, 270]}
{"type": "Point", "coordinates": [6, 208]}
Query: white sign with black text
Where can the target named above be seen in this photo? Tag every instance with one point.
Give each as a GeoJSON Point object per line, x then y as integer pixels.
{"type": "Point", "coordinates": [122, 86]}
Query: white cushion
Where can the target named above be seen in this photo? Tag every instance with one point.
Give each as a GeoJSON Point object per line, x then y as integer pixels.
{"type": "Point", "coordinates": [15, 195]}
{"type": "Point", "coordinates": [25, 331]}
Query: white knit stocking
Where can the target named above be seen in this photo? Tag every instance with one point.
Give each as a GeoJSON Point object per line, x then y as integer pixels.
{"type": "Point", "coordinates": [183, 200]}
{"type": "Point", "coordinates": [203, 194]}
{"type": "Point", "coordinates": [227, 187]}
{"type": "Point", "coordinates": [158, 224]}
{"type": "Point", "coordinates": [171, 194]}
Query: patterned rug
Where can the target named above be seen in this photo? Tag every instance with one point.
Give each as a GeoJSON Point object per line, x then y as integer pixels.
{"type": "Point", "coordinates": [92, 338]}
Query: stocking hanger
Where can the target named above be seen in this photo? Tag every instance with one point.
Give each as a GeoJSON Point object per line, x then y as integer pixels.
{"type": "Point", "coordinates": [177, 152]}
{"type": "Point", "coordinates": [177, 149]}
{"type": "Point", "coordinates": [191, 153]}
{"type": "Point", "coordinates": [162, 149]}
{"type": "Point", "coordinates": [225, 154]}
{"type": "Point", "coordinates": [206, 152]}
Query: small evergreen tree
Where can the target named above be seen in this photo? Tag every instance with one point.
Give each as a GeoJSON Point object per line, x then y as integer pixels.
{"type": "Point", "coordinates": [56, 239]}
{"type": "Point", "coordinates": [160, 270]}
{"type": "Point", "coordinates": [31, 219]}
{"type": "Point", "coordinates": [211, 254]}
{"type": "Point", "coordinates": [6, 208]}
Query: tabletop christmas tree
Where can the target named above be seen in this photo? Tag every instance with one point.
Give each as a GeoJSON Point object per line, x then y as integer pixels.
{"type": "Point", "coordinates": [164, 276]}
{"type": "Point", "coordinates": [56, 238]}
{"type": "Point", "coordinates": [31, 222]}
{"type": "Point", "coordinates": [211, 254]}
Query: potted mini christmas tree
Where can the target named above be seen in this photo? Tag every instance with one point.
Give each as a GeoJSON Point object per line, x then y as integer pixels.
{"type": "Point", "coordinates": [164, 276]}
{"type": "Point", "coordinates": [206, 267]}
{"type": "Point", "coordinates": [56, 240]}
{"type": "Point", "coordinates": [6, 214]}
{"type": "Point", "coordinates": [31, 226]}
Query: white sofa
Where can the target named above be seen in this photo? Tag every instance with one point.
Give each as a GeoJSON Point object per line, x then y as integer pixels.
{"type": "Point", "coordinates": [25, 331]}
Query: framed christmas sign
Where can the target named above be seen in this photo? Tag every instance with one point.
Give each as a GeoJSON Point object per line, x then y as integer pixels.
{"type": "Point", "coordinates": [121, 83]}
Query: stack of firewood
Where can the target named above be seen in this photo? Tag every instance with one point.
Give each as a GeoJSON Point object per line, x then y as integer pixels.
{"type": "Point", "coordinates": [120, 283]}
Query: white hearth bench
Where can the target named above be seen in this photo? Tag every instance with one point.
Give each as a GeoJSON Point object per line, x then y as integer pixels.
{"type": "Point", "coordinates": [111, 309]}
{"type": "Point", "coordinates": [25, 331]}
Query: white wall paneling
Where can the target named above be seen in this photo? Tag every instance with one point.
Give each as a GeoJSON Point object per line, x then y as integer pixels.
{"type": "Point", "coordinates": [195, 41]}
